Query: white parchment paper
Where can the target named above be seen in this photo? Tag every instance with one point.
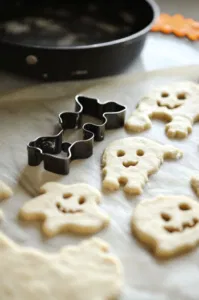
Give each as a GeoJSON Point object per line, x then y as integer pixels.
{"type": "Point", "coordinates": [32, 112]}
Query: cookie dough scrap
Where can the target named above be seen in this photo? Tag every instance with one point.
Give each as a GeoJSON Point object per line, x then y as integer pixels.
{"type": "Point", "coordinates": [177, 104]}
{"type": "Point", "coordinates": [130, 161]}
{"type": "Point", "coordinates": [5, 191]}
{"type": "Point", "coordinates": [195, 184]}
{"type": "Point", "coordinates": [168, 225]}
{"type": "Point", "coordinates": [85, 271]}
{"type": "Point", "coordinates": [66, 208]}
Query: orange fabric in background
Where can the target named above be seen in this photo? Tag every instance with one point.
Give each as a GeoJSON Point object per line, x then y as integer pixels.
{"type": "Point", "coordinates": [177, 25]}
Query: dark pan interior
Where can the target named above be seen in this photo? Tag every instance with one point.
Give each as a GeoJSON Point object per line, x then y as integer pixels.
{"type": "Point", "coordinates": [75, 23]}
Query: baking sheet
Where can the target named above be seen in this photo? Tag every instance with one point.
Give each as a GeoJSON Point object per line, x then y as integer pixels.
{"type": "Point", "coordinates": [32, 112]}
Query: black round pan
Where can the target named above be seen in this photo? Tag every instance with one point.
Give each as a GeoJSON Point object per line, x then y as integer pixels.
{"type": "Point", "coordinates": [77, 40]}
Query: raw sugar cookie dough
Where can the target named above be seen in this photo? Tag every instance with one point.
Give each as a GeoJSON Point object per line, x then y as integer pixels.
{"type": "Point", "coordinates": [130, 161]}
{"type": "Point", "coordinates": [177, 104]}
{"type": "Point", "coordinates": [168, 225]}
{"type": "Point", "coordinates": [5, 191]}
{"type": "Point", "coordinates": [73, 208]}
{"type": "Point", "coordinates": [85, 271]}
{"type": "Point", "coordinates": [195, 184]}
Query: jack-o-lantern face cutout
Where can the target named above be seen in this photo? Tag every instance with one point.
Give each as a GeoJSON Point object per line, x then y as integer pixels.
{"type": "Point", "coordinates": [130, 161]}
{"type": "Point", "coordinates": [167, 224]}
{"type": "Point", "coordinates": [71, 208]}
{"type": "Point", "coordinates": [177, 103]}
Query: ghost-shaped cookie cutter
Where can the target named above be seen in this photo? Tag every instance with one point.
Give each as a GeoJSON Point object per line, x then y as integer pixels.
{"type": "Point", "coordinates": [47, 148]}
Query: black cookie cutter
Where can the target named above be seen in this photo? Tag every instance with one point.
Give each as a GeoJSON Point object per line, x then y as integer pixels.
{"type": "Point", "coordinates": [47, 148]}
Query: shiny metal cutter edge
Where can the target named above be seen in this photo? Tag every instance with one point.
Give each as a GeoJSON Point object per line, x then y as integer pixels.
{"type": "Point", "coordinates": [47, 148]}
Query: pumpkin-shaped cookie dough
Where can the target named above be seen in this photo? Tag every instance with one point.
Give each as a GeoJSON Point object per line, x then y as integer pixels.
{"type": "Point", "coordinates": [167, 224]}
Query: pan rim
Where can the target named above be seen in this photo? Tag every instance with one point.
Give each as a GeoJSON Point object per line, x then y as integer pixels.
{"type": "Point", "coordinates": [155, 10]}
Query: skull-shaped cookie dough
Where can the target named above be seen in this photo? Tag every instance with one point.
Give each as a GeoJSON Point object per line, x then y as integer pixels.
{"type": "Point", "coordinates": [167, 224]}
{"type": "Point", "coordinates": [72, 208]}
{"type": "Point", "coordinates": [177, 104]}
{"type": "Point", "coordinates": [130, 161]}
{"type": "Point", "coordinates": [5, 191]}
{"type": "Point", "coordinates": [86, 271]}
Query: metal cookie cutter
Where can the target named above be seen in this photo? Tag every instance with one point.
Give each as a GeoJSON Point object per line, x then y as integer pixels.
{"type": "Point", "coordinates": [47, 148]}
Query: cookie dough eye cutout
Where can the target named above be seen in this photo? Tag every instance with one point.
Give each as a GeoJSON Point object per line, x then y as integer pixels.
{"type": "Point", "coordinates": [140, 152]}
{"type": "Point", "coordinates": [67, 195]}
{"type": "Point", "coordinates": [129, 162]}
{"type": "Point", "coordinates": [182, 96]}
{"type": "Point", "coordinates": [62, 208]}
{"type": "Point", "coordinates": [166, 217]}
{"type": "Point", "coordinates": [164, 94]}
{"type": "Point", "coordinates": [176, 103]}
{"type": "Point", "coordinates": [184, 206]}
{"type": "Point", "coordinates": [169, 225]}
{"type": "Point", "coordinates": [120, 153]}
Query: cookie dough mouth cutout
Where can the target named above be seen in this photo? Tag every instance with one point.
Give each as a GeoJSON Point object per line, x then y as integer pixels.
{"type": "Point", "coordinates": [129, 162]}
{"type": "Point", "coordinates": [65, 210]}
{"type": "Point", "coordinates": [177, 104]}
{"type": "Point", "coordinates": [191, 224]}
{"type": "Point", "coordinates": [185, 225]}
{"type": "Point", "coordinates": [169, 225]}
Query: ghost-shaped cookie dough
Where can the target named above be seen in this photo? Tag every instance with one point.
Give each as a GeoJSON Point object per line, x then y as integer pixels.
{"type": "Point", "coordinates": [85, 271]}
{"type": "Point", "coordinates": [168, 225]}
{"type": "Point", "coordinates": [130, 161]}
{"type": "Point", "coordinates": [5, 191]}
{"type": "Point", "coordinates": [73, 208]}
{"type": "Point", "coordinates": [177, 104]}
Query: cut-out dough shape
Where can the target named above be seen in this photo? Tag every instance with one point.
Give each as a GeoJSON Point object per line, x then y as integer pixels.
{"type": "Point", "coordinates": [195, 184]}
{"type": "Point", "coordinates": [177, 25]}
{"type": "Point", "coordinates": [5, 191]}
{"type": "Point", "coordinates": [130, 161]}
{"type": "Point", "coordinates": [86, 271]}
{"type": "Point", "coordinates": [177, 104]}
{"type": "Point", "coordinates": [72, 208]}
{"type": "Point", "coordinates": [167, 224]}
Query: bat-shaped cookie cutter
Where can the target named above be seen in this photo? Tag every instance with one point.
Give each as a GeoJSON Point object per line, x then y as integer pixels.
{"type": "Point", "coordinates": [47, 148]}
